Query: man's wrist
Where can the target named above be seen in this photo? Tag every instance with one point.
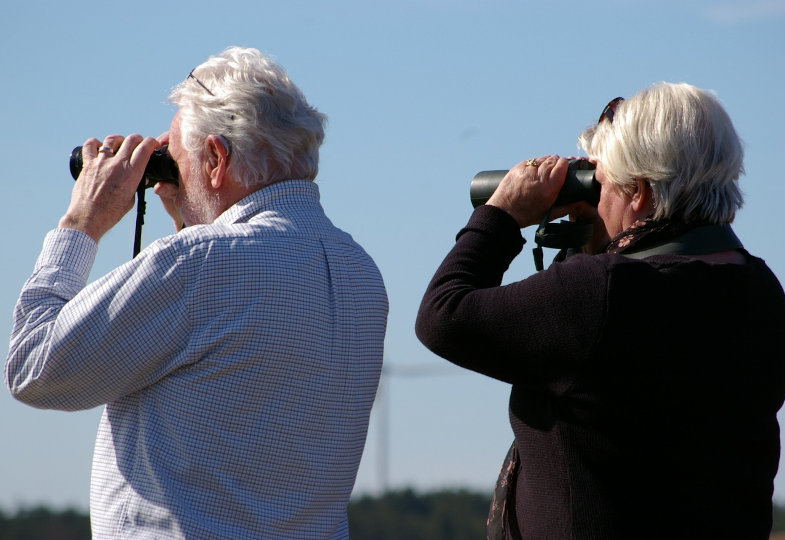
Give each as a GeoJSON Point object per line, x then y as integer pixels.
{"type": "Point", "coordinates": [78, 223]}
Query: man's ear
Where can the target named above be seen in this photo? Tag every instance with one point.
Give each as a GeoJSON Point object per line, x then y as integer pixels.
{"type": "Point", "coordinates": [216, 159]}
{"type": "Point", "coordinates": [642, 196]}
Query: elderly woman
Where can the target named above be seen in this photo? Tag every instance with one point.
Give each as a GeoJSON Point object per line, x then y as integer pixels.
{"type": "Point", "coordinates": [646, 373]}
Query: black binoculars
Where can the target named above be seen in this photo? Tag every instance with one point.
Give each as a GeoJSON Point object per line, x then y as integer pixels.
{"type": "Point", "coordinates": [579, 185]}
{"type": "Point", "coordinates": [160, 168]}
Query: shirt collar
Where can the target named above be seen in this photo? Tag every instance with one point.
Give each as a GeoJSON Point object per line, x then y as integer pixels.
{"type": "Point", "coordinates": [291, 193]}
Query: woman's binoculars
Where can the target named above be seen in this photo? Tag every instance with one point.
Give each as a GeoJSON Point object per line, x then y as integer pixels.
{"type": "Point", "coordinates": [579, 185]}
{"type": "Point", "coordinates": [160, 168]}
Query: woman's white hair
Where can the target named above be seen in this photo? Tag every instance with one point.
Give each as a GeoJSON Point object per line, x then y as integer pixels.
{"type": "Point", "coordinates": [249, 100]}
{"type": "Point", "coordinates": [681, 141]}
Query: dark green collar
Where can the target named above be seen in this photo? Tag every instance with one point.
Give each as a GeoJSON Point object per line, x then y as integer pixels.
{"type": "Point", "coordinates": [698, 241]}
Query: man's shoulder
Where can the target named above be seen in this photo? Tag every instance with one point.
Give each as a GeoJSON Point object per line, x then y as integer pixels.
{"type": "Point", "coordinates": [271, 233]}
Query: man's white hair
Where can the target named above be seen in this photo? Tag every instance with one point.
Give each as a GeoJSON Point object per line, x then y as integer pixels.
{"type": "Point", "coordinates": [249, 100]}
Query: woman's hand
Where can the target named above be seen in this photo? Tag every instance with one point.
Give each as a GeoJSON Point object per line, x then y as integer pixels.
{"type": "Point", "coordinates": [529, 189]}
{"type": "Point", "coordinates": [583, 212]}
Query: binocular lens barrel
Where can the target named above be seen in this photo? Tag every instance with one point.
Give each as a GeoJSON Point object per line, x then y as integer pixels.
{"type": "Point", "coordinates": [579, 185]}
{"type": "Point", "coordinates": [160, 168]}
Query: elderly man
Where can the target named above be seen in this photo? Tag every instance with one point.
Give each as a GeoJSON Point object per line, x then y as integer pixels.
{"type": "Point", "coordinates": [238, 359]}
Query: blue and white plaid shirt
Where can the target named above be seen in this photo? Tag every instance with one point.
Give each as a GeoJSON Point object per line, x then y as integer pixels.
{"type": "Point", "coordinates": [238, 362]}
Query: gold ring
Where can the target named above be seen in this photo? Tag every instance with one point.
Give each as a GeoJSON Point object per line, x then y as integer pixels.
{"type": "Point", "coordinates": [532, 163]}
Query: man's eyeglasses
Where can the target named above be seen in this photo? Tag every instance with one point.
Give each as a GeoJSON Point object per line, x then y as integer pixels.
{"type": "Point", "coordinates": [609, 110]}
{"type": "Point", "coordinates": [192, 76]}
{"type": "Point", "coordinates": [224, 140]}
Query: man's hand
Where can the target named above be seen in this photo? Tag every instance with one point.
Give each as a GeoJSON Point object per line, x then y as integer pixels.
{"type": "Point", "coordinates": [105, 189]}
{"type": "Point", "coordinates": [168, 193]}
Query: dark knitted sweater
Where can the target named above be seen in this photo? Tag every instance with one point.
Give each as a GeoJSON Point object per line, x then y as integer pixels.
{"type": "Point", "coordinates": [644, 392]}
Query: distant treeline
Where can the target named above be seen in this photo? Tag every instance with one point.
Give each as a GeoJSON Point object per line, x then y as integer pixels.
{"type": "Point", "coordinates": [407, 515]}
{"type": "Point", "coordinates": [44, 524]}
{"type": "Point", "coordinates": [396, 515]}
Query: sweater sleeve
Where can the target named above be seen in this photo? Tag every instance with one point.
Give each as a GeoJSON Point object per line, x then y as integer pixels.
{"type": "Point", "coordinates": [538, 331]}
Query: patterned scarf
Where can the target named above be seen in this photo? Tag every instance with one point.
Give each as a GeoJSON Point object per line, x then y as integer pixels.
{"type": "Point", "coordinates": [647, 232]}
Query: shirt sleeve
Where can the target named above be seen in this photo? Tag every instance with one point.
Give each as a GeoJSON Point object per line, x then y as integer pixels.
{"type": "Point", "coordinates": [537, 331]}
{"type": "Point", "coordinates": [76, 346]}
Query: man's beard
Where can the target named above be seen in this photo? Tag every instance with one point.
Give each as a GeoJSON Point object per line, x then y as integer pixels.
{"type": "Point", "coordinates": [199, 206]}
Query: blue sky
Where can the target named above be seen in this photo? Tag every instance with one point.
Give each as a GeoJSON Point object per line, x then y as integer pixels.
{"type": "Point", "coordinates": [421, 95]}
